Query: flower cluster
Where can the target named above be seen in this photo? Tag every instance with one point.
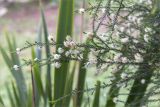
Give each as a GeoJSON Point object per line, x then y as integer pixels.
{"type": "Point", "coordinates": [119, 39]}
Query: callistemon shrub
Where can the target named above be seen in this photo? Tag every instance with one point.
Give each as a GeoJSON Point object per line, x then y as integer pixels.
{"type": "Point", "coordinates": [121, 34]}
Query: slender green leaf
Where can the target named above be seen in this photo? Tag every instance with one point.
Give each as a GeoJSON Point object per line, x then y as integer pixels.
{"type": "Point", "coordinates": [39, 39]}
{"type": "Point", "coordinates": [97, 95]}
{"type": "Point", "coordinates": [37, 77]}
{"type": "Point", "coordinates": [18, 76]}
{"type": "Point", "coordinates": [1, 101]}
{"type": "Point", "coordinates": [16, 96]}
{"type": "Point", "coordinates": [6, 58]}
{"type": "Point", "coordinates": [148, 70]}
{"type": "Point", "coordinates": [81, 78]}
{"type": "Point", "coordinates": [68, 87]}
{"type": "Point", "coordinates": [48, 78]}
{"type": "Point", "coordinates": [11, 98]}
{"type": "Point", "coordinates": [65, 24]}
{"type": "Point", "coordinates": [29, 99]}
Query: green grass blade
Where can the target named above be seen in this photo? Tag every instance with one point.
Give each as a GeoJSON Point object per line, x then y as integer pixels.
{"type": "Point", "coordinates": [6, 58]}
{"type": "Point", "coordinates": [147, 69]}
{"type": "Point", "coordinates": [81, 79]}
{"type": "Point", "coordinates": [39, 39]}
{"type": "Point", "coordinates": [65, 24]}
{"type": "Point", "coordinates": [48, 81]}
{"type": "Point", "coordinates": [1, 101]}
{"type": "Point", "coordinates": [11, 99]}
{"type": "Point", "coordinates": [37, 77]}
{"type": "Point", "coordinates": [137, 87]}
{"type": "Point", "coordinates": [29, 99]}
{"type": "Point", "coordinates": [14, 58]}
{"type": "Point", "coordinates": [16, 96]}
{"type": "Point", "coordinates": [114, 90]}
{"type": "Point", "coordinates": [68, 87]}
{"type": "Point", "coordinates": [18, 76]}
{"type": "Point", "coordinates": [97, 95]}
{"type": "Point", "coordinates": [37, 80]}
{"type": "Point", "coordinates": [80, 84]}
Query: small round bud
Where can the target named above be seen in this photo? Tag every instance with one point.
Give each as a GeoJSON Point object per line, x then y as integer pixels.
{"type": "Point", "coordinates": [138, 58]}
{"type": "Point", "coordinates": [67, 53]}
{"type": "Point", "coordinates": [115, 99]}
{"type": "Point", "coordinates": [51, 38]}
{"type": "Point", "coordinates": [103, 10]}
{"type": "Point", "coordinates": [143, 81]}
{"type": "Point", "coordinates": [68, 38]}
{"type": "Point", "coordinates": [124, 59]}
{"type": "Point", "coordinates": [60, 50]}
{"type": "Point", "coordinates": [81, 10]}
{"type": "Point", "coordinates": [16, 67]}
{"type": "Point", "coordinates": [57, 56]}
{"type": "Point", "coordinates": [125, 40]}
{"type": "Point", "coordinates": [57, 65]}
{"type": "Point", "coordinates": [124, 75]}
{"type": "Point", "coordinates": [117, 57]}
{"type": "Point", "coordinates": [18, 50]}
{"type": "Point", "coordinates": [36, 59]}
{"type": "Point", "coordinates": [90, 35]}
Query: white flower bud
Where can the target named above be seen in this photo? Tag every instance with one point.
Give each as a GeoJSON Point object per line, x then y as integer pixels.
{"type": "Point", "coordinates": [147, 29]}
{"type": "Point", "coordinates": [125, 40]}
{"type": "Point", "coordinates": [124, 59]}
{"type": "Point", "coordinates": [115, 99]}
{"type": "Point", "coordinates": [141, 1]}
{"type": "Point", "coordinates": [135, 41]}
{"type": "Point", "coordinates": [146, 38]}
{"type": "Point", "coordinates": [67, 53]}
{"type": "Point", "coordinates": [57, 65]}
{"type": "Point", "coordinates": [81, 10]}
{"type": "Point", "coordinates": [143, 81]}
{"type": "Point", "coordinates": [122, 29]}
{"type": "Point", "coordinates": [132, 18]}
{"type": "Point", "coordinates": [57, 56]}
{"type": "Point", "coordinates": [51, 38]}
{"type": "Point", "coordinates": [18, 50]}
{"type": "Point", "coordinates": [60, 50]}
{"type": "Point", "coordinates": [117, 57]}
{"type": "Point", "coordinates": [103, 10]}
{"type": "Point", "coordinates": [66, 43]}
{"type": "Point", "coordinates": [68, 38]}
{"type": "Point", "coordinates": [90, 35]}
{"type": "Point", "coordinates": [138, 58]}
{"type": "Point", "coordinates": [36, 59]}
{"type": "Point", "coordinates": [16, 67]}
{"type": "Point", "coordinates": [124, 75]}
{"type": "Point", "coordinates": [72, 44]}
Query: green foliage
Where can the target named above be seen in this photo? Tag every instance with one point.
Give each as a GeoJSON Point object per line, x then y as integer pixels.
{"type": "Point", "coordinates": [20, 96]}
{"type": "Point", "coordinates": [81, 79]}
{"type": "Point", "coordinates": [1, 101]}
{"type": "Point", "coordinates": [10, 61]}
{"type": "Point", "coordinates": [148, 70]}
{"type": "Point", "coordinates": [47, 48]}
{"type": "Point", "coordinates": [65, 24]}
{"type": "Point", "coordinates": [69, 83]}
{"type": "Point", "coordinates": [38, 81]}
{"type": "Point", "coordinates": [97, 95]}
